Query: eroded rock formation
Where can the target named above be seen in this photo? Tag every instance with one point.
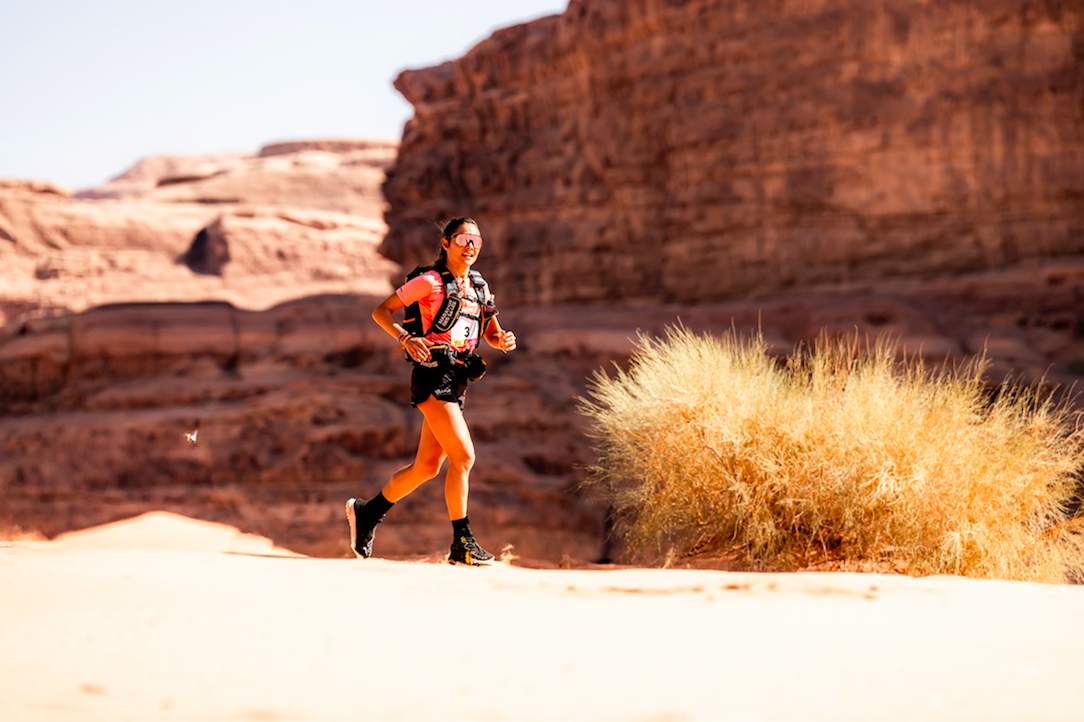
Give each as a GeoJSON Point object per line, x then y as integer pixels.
{"type": "Point", "coordinates": [301, 217]}
{"type": "Point", "coordinates": [714, 149]}
{"type": "Point", "coordinates": [343, 176]}
{"type": "Point", "coordinates": [295, 409]}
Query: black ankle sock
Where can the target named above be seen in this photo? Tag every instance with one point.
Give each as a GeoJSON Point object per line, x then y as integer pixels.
{"type": "Point", "coordinates": [378, 506]}
{"type": "Point", "coordinates": [461, 527]}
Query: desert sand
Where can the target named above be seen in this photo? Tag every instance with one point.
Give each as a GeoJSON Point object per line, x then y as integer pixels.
{"type": "Point", "coordinates": [168, 618]}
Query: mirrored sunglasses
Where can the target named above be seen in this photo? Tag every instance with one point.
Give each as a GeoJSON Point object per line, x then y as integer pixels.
{"type": "Point", "coordinates": [462, 239]}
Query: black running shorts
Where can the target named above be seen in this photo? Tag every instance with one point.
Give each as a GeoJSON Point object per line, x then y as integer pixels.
{"type": "Point", "coordinates": [445, 382]}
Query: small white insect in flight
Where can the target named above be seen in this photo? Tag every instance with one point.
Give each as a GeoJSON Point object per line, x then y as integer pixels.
{"type": "Point", "coordinates": [191, 436]}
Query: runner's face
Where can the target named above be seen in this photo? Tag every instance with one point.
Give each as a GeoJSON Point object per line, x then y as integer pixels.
{"type": "Point", "coordinates": [459, 254]}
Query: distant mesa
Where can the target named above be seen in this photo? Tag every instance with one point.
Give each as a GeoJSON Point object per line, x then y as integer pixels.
{"type": "Point", "coordinates": [386, 147]}
{"type": "Point", "coordinates": [254, 229]}
{"type": "Point", "coordinates": [149, 172]}
{"type": "Point", "coordinates": [31, 186]}
{"type": "Point", "coordinates": [256, 177]}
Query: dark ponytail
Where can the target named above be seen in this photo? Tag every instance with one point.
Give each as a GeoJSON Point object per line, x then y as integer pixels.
{"type": "Point", "coordinates": [449, 230]}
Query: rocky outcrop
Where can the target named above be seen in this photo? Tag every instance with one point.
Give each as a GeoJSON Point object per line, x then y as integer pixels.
{"type": "Point", "coordinates": [301, 218]}
{"type": "Point", "coordinates": [714, 149]}
{"type": "Point", "coordinates": [74, 255]}
{"type": "Point", "coordinates": [378, 151]}
{"type": "Point", "coordinates": [292, 245]}
{"type": "Point", "coordinates": [31, 186]}
{"type": "Point", "coordinates": [339, 182]}
{"type": "Point", "coordinates": [35, 224]}
{"type": "Point", "coordinates": [342, 176]}
{"type": "Point", "coordinates": [148, 173]}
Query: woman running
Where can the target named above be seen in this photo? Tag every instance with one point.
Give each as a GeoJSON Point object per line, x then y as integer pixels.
{"type": "Point", "coordinates": [453, 305]}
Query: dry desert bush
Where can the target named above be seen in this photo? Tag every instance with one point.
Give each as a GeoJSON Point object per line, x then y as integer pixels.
{"type": "Point", "coordinates": [844, 456]}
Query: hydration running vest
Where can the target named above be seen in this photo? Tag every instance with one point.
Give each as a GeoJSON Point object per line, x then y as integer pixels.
{"type": "Point", "coordinates": [451, 306]}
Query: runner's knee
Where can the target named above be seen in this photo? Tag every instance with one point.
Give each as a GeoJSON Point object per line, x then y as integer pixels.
{"type": "Point", "coordinates": [462, 459]}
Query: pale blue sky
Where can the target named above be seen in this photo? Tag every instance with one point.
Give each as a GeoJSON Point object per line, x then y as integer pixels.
{"type": "Point", "coordinates": [88, 88]}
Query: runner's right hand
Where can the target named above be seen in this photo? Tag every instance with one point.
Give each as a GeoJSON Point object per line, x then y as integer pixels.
{"type": "Point", "coordinates": [418, 348]}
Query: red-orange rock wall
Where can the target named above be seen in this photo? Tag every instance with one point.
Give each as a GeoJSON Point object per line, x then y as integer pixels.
{"type": "Point", "coordinates": [718, 149]}
{"type": "Point", "coordinates": [295, 409]}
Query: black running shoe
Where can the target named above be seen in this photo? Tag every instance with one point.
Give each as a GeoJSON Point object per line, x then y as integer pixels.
{"type": "Point", "coordinates": [465, 550]}
{"type": "Point", "coordinates": [362, 528]}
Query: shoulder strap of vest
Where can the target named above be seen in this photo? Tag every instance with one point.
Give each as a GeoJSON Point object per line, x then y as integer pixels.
{"type": "Point", "coordinates": [489, 309]}
{"type": "Point", "coordinates": [451, 288]}
{"type": "Point", "coordinates": [448, 312]}
{"type": "Point", "coordinates": [479, 284]}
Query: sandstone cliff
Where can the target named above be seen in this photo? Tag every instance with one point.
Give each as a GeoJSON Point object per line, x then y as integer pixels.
{"type": "Point", "coordinates": [295, 409]}
{"type": "Point", "coordinates": [343, 176]}
{"type": "Point", "coordinates": [713, 149]}
{"type": "Point", "coordinates": [301, 217]}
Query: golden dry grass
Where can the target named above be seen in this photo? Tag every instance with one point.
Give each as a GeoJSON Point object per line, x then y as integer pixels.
{"type": "Point", "coordinates": [844, 457]}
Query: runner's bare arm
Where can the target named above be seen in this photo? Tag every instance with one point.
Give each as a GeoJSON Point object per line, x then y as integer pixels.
{"type": "Point", "coordinates": [384, 315]}
{"type": "Point", "coordinates": [497, 337]}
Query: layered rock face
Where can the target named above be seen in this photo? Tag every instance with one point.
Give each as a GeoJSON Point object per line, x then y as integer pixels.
{"type": "Point", "coordinates": [342, 176]}
{"type": "Point", "coordinates": [293, 410]}
{"type": "Point", "coordinates": [301, 217]}
{"type": "Point", "coordinates": [718, 149]}
{"type": "Point", "coordinates": [91, 401]}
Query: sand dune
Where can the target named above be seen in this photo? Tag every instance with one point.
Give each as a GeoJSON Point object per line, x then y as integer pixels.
{"type": "Point", "coordinates": [167, 531]}
{"type": "Point", "coordinates": [171, 628]}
